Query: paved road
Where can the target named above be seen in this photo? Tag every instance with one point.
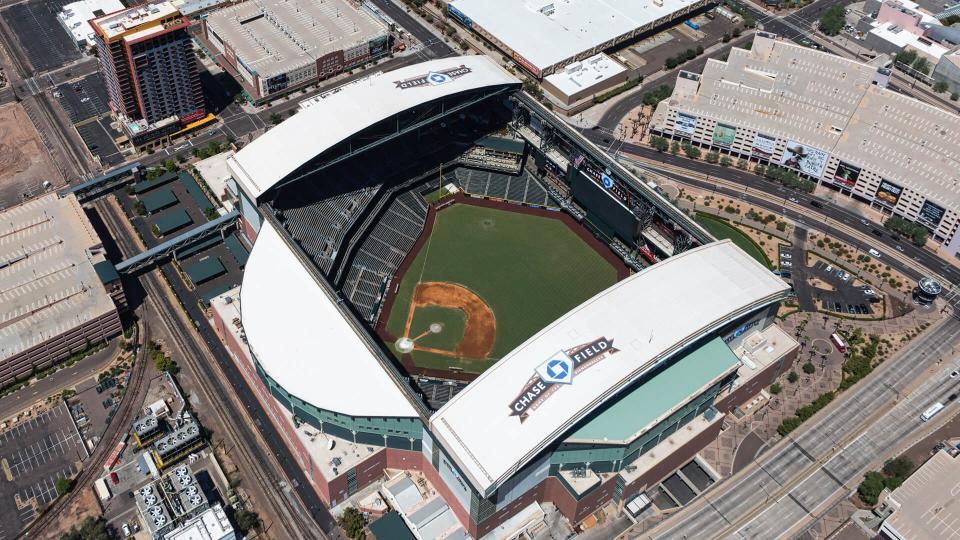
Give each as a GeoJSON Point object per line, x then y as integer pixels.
{"type": "Point", "coordinates": [67, 377]}
{"type": "Point", "coordinates": [733, 508]}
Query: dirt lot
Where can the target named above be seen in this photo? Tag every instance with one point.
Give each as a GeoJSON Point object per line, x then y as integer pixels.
{"type": "Point", "coordinates": [24, 161]}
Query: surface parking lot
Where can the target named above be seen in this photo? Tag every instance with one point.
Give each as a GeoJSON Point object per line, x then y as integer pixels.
{"type": "Point", "coordinates": [845, 297]}
{"type": "Point", "coordinates": [87, 104]}
{"type": "Point", "coordinates": [33, 455]}
{"type": "Point", "coordinates": [44, 41]}
{"type": "Point", "coordinates": [99, 137]}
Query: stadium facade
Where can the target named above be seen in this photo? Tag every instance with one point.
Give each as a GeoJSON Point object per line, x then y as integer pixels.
{"type": "Point", "coordinates": [599, 405]}
{"type": "Point", "coordinates": [830, 119]}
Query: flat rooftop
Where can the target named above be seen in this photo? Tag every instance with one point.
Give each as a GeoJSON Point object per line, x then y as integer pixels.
{"type": "Point", "coordinates": [582, 75]}
{"type": "Point", "coordinates": [828, 102]}
{"type": "Point", "coordinates": [75, 15]}
{"type": "Point", "coordinates": [48, 285]}
{"type": "Point", "coordinates": [760, 349]}
{"type": "Point", "coordinates": [547, 32]}
{"type": "Point", "coordinates": [135, 22]}
{"type": "Point", "coordinates": [276, 36]}
{"type": "Point", "coordinates": [926, 503]}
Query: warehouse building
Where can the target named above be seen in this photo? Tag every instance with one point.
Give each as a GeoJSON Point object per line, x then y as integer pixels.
{"type": "Point", "coordinates": [58, 293]}
{"type": "Point", "coordinates": [75, 16]}
{"type": "Point", "coordinates": [830, 119]}
{"type": "Point", "coordinates": [544, 36]}
{"type": "Point", "coordinates": [276, 47]}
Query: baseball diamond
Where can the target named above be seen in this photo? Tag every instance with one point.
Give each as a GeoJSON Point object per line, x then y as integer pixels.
{"type": "Point", "coordinates": [488, 275]}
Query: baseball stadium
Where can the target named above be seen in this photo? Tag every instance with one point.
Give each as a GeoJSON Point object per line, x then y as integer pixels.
{"type": "Point", "coordinates": [448, 279]}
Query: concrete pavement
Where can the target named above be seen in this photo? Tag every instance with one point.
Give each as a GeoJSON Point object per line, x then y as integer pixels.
{"type": "Point", "coordinates": [826, 454]}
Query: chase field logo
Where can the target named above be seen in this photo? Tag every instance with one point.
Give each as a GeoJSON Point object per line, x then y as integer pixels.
{"type": "Point", "coordinates": [558, 370]}
{"type": "Point", "coordinates": [434, 78]}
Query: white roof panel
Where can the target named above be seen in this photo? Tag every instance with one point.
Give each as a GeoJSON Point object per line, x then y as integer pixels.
{"type": "Point", "coordinates": [270, 158]}
{"type": "Point", "coordinates": [547, 32]}
{"type": "Point", "coordinates": [627, 330]}
{"type": "Point", "coordinates": [304, 342]}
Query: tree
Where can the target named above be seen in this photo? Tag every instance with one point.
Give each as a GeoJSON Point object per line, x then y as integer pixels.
{"type": "Point", "coordinates": [833, 20]}
{"type": "Point", "coordinates": [737, 31]}
{"type": "Point", "coordinates": [353, 523]}
{"type": "Point", "coordinates": [211, 213]}
{"type": "Point", "coordinates": [92, 528]}
{"type": "Point", "coordinates": [659, 143]}
{"type": "Point", "coordinates": [775, 388]}
{"type": "Point", "coordinates": [940, 87]}
{"type": "Point", "coordinates": [661, 93]}
{"type": "Point", "coordinates": [63, 485]}
{"type": "Point", "coordinates": [713, 156]}
{"type": "Point", "coordinates": [139, 208]}
{"type": "Point", "coordinates": [900, 467]}
{"type": "Point", "coordinates": [870, 488]}
{"type": "Point", "coordinates": [793, 377]}
{"type": "Point", "coordinates": [742, 164]}
{"type": "Point", "coordinates": [275, 118]}
{"type": "Point", "coordinates": [725, 38]}
{"type": "Point", "coordinates": [247, 521]}
{"type": "Point", "coordinates": [691, 151]}
{"type": "Point", "coordinates": [906, 57]}
{"type": "Point", "coordinates": [726, 161]}
{"type": "Point", "coordinates": [675, 148]}
{"type": "Point", "coordinates": [922, 65]}
{"type": "Point", "coordinates": [954, 96]}
{"type": "Point", "coordinates": [809, 368]}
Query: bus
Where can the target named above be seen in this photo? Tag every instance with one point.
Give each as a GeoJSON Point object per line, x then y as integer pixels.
{"type": "Point", "coordinates": [932, 411]}
{"type": "Point", "coordinates": [839, 343]}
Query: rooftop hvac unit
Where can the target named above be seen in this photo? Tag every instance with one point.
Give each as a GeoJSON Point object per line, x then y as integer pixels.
{"type": "Point", "coordinates": [186, 480]}
{"type": "Point", "coordinates": [182, 471]}
{"type": "Point", "coordinates": [196, 500]}
{"type": "Point", "coordinates": [155, 511]}
{"type": "Point", "coordinates": [193, 490]}
{"type": "Point", "coordinates": [146, 490]}
{"type": "Point", "coordinates": [150, 500]}
{"type": "Point", "coordinates": [160, 521]}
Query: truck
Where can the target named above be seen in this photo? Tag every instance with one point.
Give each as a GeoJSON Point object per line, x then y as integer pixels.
{"type": "Point", "coordinates": [839, 343]}
{"type": "Point", "coordinates": [103, 491]}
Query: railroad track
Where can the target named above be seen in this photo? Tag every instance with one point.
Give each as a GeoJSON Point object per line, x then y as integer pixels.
{"type": "Point", "coordinates": [237, 425]}
{"type": "Point", "coordinates": [116, 430]}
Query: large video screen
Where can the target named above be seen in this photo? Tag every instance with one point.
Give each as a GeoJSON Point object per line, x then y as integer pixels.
{"type": "Point", "coordinates": [603, 205]}
{"type": "Point", "coordinates": [846, 174]}
{"type": "Point", "coordinates": [888, 194]}
{"type": "Point", "coordinates": [806, 159]}
{"type": "Point", "coordinates": [723, 135]}
{"type": "Point", "coordinates": [685, 124]}
{"type": "Point", "coordinates": [764, 145]}
{"type": "Point", "coordinates": [930, 215]}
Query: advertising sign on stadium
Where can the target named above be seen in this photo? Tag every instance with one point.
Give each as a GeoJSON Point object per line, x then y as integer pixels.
{"type": "Point", "coordinates": [930, 215]}
{"type": "Point", "coordinates": [685, 123]}
{"type": "Point", "coordinates": [764, 145]}
{"type": "Point", "coordinates": [888, 194]}
{"type": "Point", "coordinates": [433, 78]}
{"type": "Point", "coordinates": [846, 174]}
{"type": "Point", "coordinates": [528, 65]}
{"type": "Point", "coordinates": [723, 135]}
{"type": "Point", "coordinates": [805, 159]}
{"type": "Point", "coordinates": [558, 370]}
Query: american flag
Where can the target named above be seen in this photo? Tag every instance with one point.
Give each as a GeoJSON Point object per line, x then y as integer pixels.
{"type": "Point", "coordinates": [577, 161]}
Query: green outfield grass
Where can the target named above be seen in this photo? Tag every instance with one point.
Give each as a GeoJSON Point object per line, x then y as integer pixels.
{"type": "Point", "coordinates": [721, 229]}
{"type": "Point", "coordinates": [529, 269]}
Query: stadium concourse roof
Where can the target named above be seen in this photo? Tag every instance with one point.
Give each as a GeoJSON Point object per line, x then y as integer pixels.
{"type": "Point", "coordinates": [527, 400]}
{"type": "Point", "coordinates": [304, 342]}
{"type": "Point", "coordinates": [270, 158]}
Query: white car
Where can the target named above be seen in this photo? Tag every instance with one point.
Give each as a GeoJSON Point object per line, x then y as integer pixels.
{"type": "Point", "coordinates": [786, 256]}
{"type": "Point", "coordinates": [899, 248]}
{"type": "Point", "coordinates": [874, 253]}
{"type": "Point", "coordinates": [869, 292]}
{"type": "Point", "coordinates": [829, 268]}
{"type": "Point", "coordinates": [786, 264]}
{"type": "Point", "coordinates": [794, 200]}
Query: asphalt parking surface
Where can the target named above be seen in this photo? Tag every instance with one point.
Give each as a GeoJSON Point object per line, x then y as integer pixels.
{"type": "Point", "coordinates": [44, 41]}
{"type": "Point", "coordinates": [99, 138]}
{"type": "Point", "coordinates": [33, 455]}
{"type": "Point", "coordinates": [83, 99]}
{"type": "Point", "coordinates": [844, 294]}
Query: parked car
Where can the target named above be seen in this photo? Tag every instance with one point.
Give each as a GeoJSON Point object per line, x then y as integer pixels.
{"type": "Point", "coordinates": [114, 478]}
{"type": "Point", "coordinates": [786, 264]}
{"type": "Point", "coordinates": [786, 256]}
{"type": "Point", "coordinates": [874, 253]}
{"type": "Point", "coordinates": [869, 292]}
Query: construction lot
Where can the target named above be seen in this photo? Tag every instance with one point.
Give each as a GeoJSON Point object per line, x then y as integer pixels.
{"type": "Point", "coordinates": [33, 455]}
{"type": "Point", "coordinates": [24, 160]}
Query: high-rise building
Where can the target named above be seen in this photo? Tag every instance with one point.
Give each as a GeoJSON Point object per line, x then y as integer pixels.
{"type": "Point", "coordinates": [150, 70]}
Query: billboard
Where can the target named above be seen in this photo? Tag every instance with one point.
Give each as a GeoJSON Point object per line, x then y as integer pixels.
{"type": "Point", "coordinates": [805, 159]}
{"type": "Point", "coordinates": [764, 145]}
{"type": "Point", "coordinates": [888, 194]}
{"type": "Point", "coordinates": [846, 174]}
{"type": "Point", "coordinates": [930, 215]}
{"type": "Point", "coordinates": [685, 124]}
{"type": "Point", "coordinates": [723, 135]}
